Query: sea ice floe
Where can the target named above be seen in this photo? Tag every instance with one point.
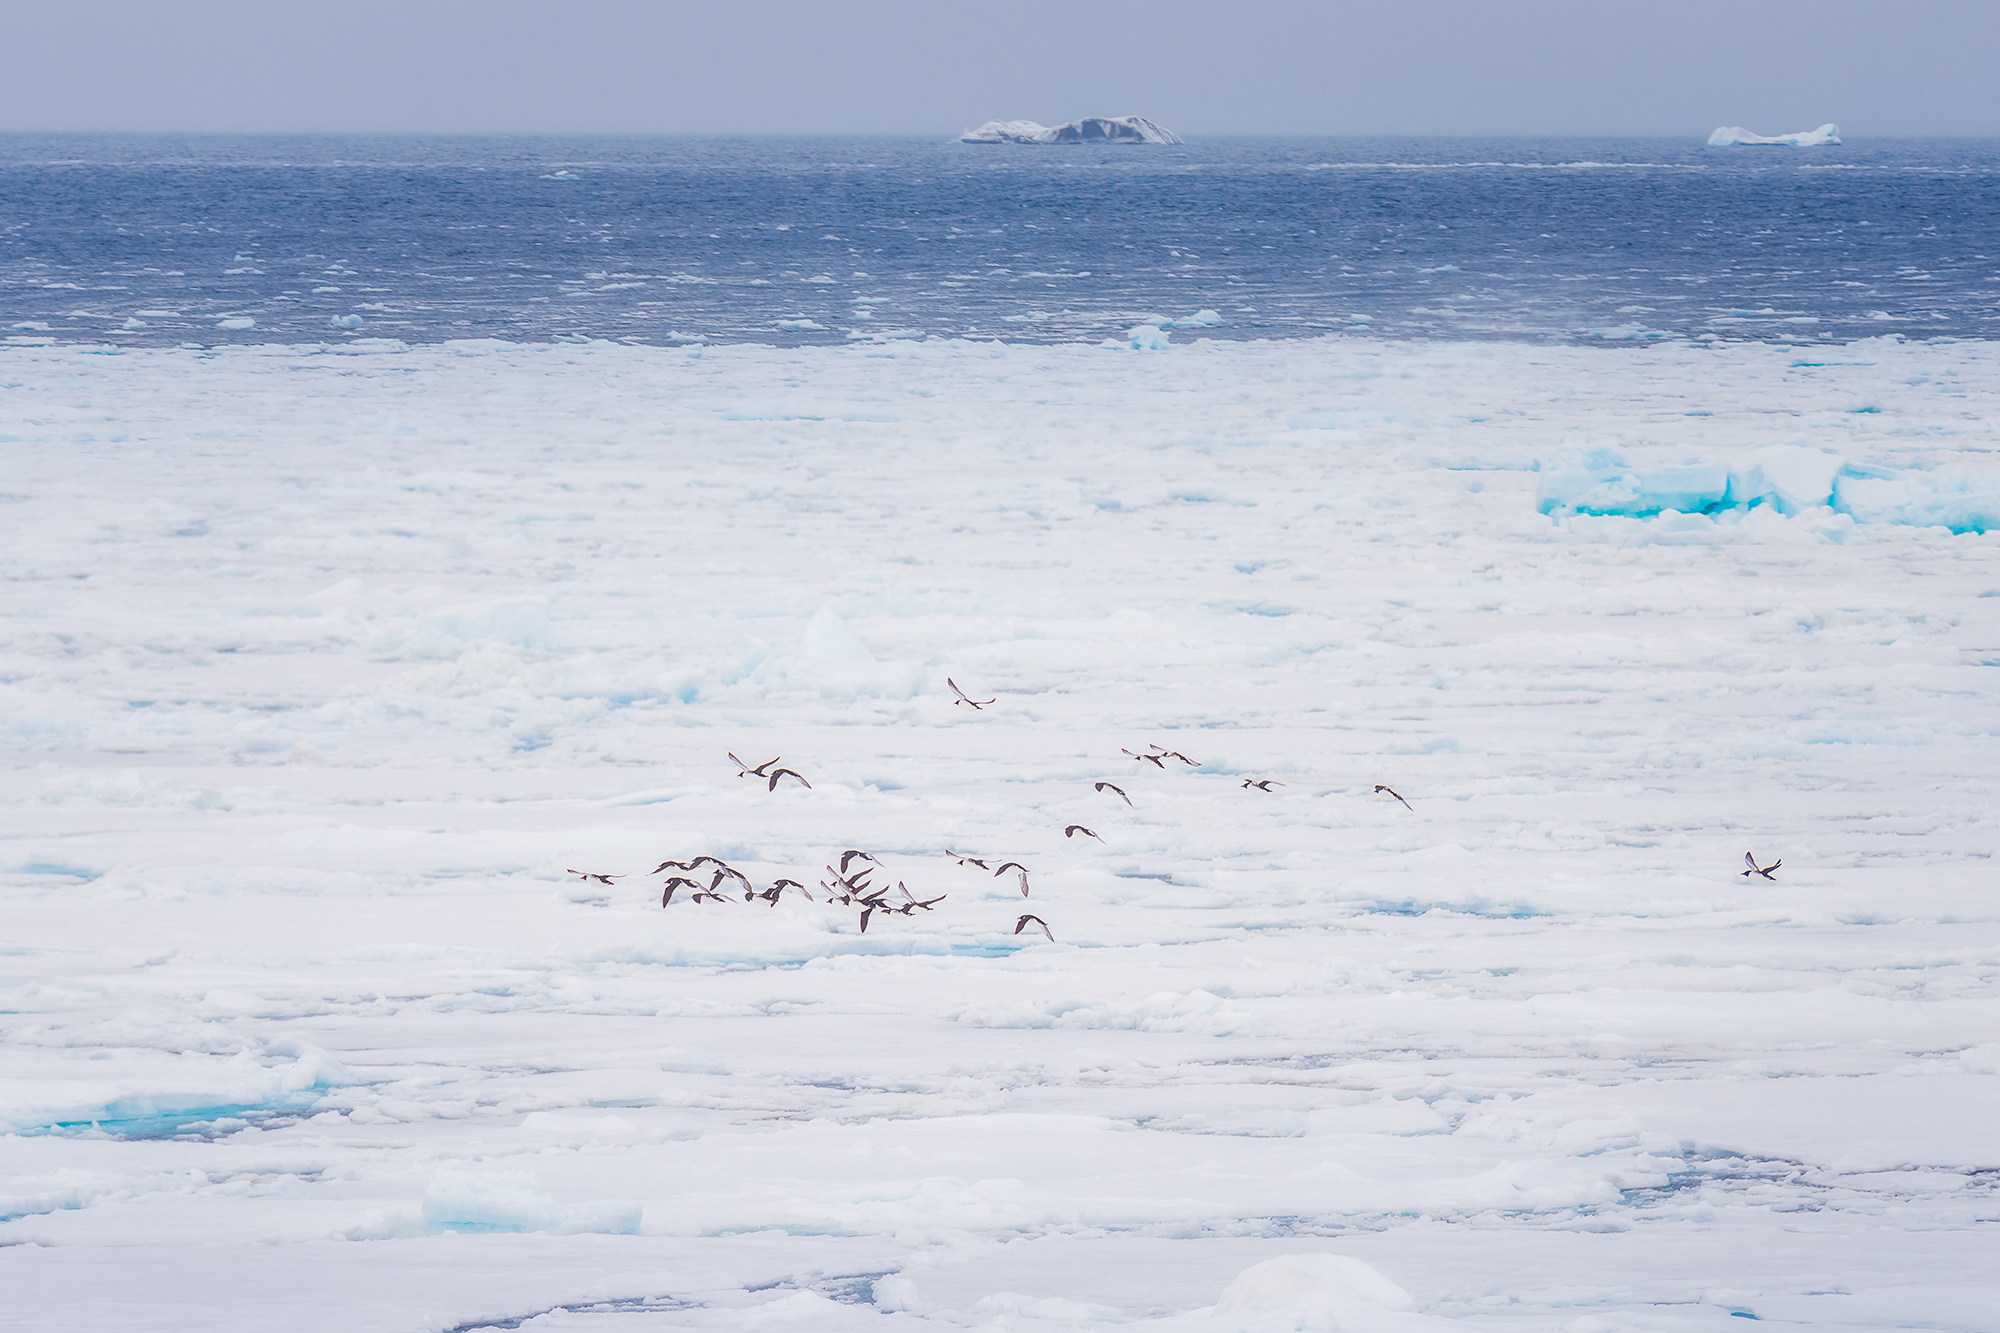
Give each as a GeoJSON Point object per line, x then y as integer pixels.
{"type": "Point", "coordinates": [390, 638]}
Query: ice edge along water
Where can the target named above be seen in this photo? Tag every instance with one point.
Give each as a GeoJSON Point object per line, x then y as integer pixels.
{"type": "Point", "coordinates": [324, 664]}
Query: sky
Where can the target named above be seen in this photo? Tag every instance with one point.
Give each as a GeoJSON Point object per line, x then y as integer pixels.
{"type": "Point", "coordinates": [1421, 67]}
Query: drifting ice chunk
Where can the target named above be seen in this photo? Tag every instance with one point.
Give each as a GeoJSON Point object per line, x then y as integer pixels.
{"type": "Point", "coordinates": [238, 322]}
{"type": "Point", "coordinates": [1788, 477]}
{"type": "Point", "coordinates": [1602, 482]}
{"type": "Point", "coordinates": [828, 639]}
{"type": "Point", "coordinates": [1141, 338]}
{"type": "Point", "coordinates": [1730, 136]}
{"type": "Point", "coordinates": [505, 1201]}
{"type": "Point", "coordinates": [1091, 129]}
{"type": "Point", "coordinates": [1311, 1291]}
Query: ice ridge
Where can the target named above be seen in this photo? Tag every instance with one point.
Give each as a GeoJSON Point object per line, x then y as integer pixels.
{"type": "Point", "coordinates": [1789, 478]}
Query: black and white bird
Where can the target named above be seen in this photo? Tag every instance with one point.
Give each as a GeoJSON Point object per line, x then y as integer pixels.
{"type": "Point", "coordinates": [744, 770]}
{"type": "Point", "coordinates": [1262, 784]}
{"type": "Point", "coordinates": [965, 860]}
{"type": "Point", "coordinates": [964, 698]}
{"type": "Point", "coordinates": [677, 883]}
{"type": "Point", "coordinates": [772, 894]}
{"type": "Point", "coordinates": [1075, 829]}
{"type": "Point", "coordinates": [1110, 786]}
{"type": "Point", "coordinates": [1755, 869]}
{"type": "Point", "coordinates": [1026, 917]}
{"type": "Point", "coordinates": [1398, 795]}
{"type": "Point", "coordinates": [1020, 875]}
{"type": "Point", "coordinates": [852, 855]}
{"type": "Point", "coordinates": [780, 773]}
{"type": "Point", "coordinates": [1156, 760]}
{"type": "Point", "coordinates": [587, 876]}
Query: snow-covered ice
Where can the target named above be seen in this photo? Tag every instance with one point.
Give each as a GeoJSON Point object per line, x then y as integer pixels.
{"type": "Point", "coordinates": [324, 665]}
{"type": "Point", "coordinates": [1728, 136]}
{"type": "Point", "coordinates": [1090, 129]}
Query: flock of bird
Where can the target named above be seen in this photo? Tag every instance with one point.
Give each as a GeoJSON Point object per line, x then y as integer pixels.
{"type": "Point", "coordinates": [852, 885]}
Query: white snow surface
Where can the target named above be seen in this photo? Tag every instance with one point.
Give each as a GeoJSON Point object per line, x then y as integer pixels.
{"type": "Point", "coordinates": [1090, 129]}
{"type": "Point", "coordinates": [323, 666]}
{"type": "Point", "coordinates": [1728, 136]}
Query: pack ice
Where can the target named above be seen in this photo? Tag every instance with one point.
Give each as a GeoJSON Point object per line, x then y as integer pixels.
{"type": "Point", "coordinates": [1090, 129]}
{"type": "Point", "coordinates": [1406, 974]}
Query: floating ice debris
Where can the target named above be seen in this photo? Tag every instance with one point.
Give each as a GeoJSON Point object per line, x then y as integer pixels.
{"type": "Point", "coordinates": [1735, 136]}
{"type": "Point", "coordinates": [1090, 129]}
{"type": "Point", "coordinates": [800, 325]}
{"type": "Point", "coordinates": [1141, 338]}
{"type": "Point", "coordinates": [348, 321]}
{"type": "Point", "coordinates": [237, 322]}
{"type": "Point", "coordinates": [562, 176]}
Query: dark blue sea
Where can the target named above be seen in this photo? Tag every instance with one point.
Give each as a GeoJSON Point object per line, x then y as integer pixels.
{"type": "Point", "coordinates": [160, 240]}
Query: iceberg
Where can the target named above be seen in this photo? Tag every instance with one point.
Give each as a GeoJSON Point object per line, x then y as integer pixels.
{"type": "Point", "coordinates": [1729, 136]}
{"type": "Point", "coordinates": [1091, 129]}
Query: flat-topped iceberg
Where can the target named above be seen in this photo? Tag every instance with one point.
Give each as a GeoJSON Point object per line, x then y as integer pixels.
{"type": "Point", "coordinates": [1091, 129]}
{"type": "Point", "coordinates": [1729, 136]}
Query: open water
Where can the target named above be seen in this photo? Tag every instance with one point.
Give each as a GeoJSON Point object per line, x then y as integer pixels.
{"type": "Point", "coordinates": [159, 240]}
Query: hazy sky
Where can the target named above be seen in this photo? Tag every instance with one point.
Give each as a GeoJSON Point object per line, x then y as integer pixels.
{"type": "Point", "coordinates": [1676, 67]}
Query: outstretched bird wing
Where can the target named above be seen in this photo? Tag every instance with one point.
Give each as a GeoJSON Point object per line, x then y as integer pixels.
{"type": "Point", "coordinates": [963, 697]}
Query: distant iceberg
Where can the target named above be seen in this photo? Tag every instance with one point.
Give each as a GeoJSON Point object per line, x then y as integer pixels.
{"type": "Point", "coordinates": [1733, 135]}
{"type": "Point", "coordinates": [1091, 129]}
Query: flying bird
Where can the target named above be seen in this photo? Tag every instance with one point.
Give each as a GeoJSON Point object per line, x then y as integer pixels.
{"type": "Point", "coordinates": [1755, 869]}
{"type": "Point", "coordinates": [1398, 795]}
{"type": "Point", "coordinates": [1156, 760]}
{"type": "Point", "coordinates": [586, 875]}
{"type": "Point", "coordinates": [678, 883]}
{"type": "Point", "coordinates": [964, 698]}
{"type": "Point", "coordinates": [772, 894]}
{"type": "Point", "coordinates": [1107, 786]}
{"type": "Point", "coordinates": [1020, 872]}
{"type": "Point", "coordinates": [731, 872]}
{"type": "Point", "coordinates": [778, 773]}
{"type": "Point", "coordinates": [1176, 754]}
{"type": "Point", "coordinates": [852, 855]}
{"type": "Point", "coordinates": [744, 770]}
{"type": "Point", "coordinates": [965, 860]}
{"type": "Point", "coordinates": [1026, 917]}
{"type": "Point", "coordinates": [1262, 784]}
{"type": "Point", "coordinates": [1075, 829]}
{"type": "Point", "coordinates": [911, 902]}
